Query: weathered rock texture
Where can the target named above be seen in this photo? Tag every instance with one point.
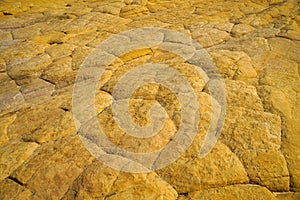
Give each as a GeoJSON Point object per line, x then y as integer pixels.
{"type": "Point", "coordinates": [254, 44]}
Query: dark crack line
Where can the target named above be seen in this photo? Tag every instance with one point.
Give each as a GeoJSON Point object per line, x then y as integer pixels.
{"type": "Point", "coordinates": [16, 181]}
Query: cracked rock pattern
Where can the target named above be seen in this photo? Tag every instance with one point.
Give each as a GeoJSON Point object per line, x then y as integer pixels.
{"type": "Point", "coordinates": [255, 44]}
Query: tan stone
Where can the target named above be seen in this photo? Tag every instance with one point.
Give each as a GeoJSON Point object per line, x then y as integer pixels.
{"type": "Point", "coordinates": [234, 64]}
{"type": "Point", "coordinates": [100, 181]}
{"type": "Point", "coordinates": [53, 167]}
{"type": "Point", "coordinates": [10, 95]}
{"type": "Point", "coordinates": [13, 155]}
{"type": "Point", "coordinates": [60, 72]}
{"type": "Point", "coordinates": [241, 29]}
{"type": "Point", "coordinates": [287, 195]}
{"type": "Point", "coordinates": [131, 11]}
{"type": "Point", "coordinates": [42, 123]}
{"type": "Point", "coordinates": [56, 51]}
{"type": "Point", "coordinates": [279, 46]}
{"type": "Point", "coordinates": [5, 37]}
{"type": "Point", "coordinates": [240, 94]}
{"type": "Point", "coordinates": [154, 7]}
{"type": "Point", "coordinates": [275, 100]}
{"type": "Point", "coordinates": [146, 21]}
{"type": "Point", "coordinates": [255, 44]}
{"type": "Point", "coordinates": [23, 72]}
{"type": "Point", "coordinates": [26, 32]}
{"type": "Point", "coordinates": [208, 37]}
{"type": "Point", "coordinates": [4, 78]}
{"type": "Point", "coordinates": [280, 95]}
{"type": "Point", "coordinates": [12, 190]}
{"type": "Point", "coordinates": [139, 113]}
{"type": "Point", "coordinates": [37, 89]}
{"type": "Point", "coordinates": [21, 52]}
{"type": "Point", "coordinates": [82, 38]}
{"type": "Point", "coordinates": [110, 8]}
{"type": "Point", "coordinates": [252, 46]}
{"type": "Point", "coordinates": [79, 55]}
{"type": "Point", "coordinates": [2, 65]}
{"type": "Point", "coordinates": [219, 168]}
{"type": "Point", "coordinates": [49, 38]}
{"type": "Point", "coordinates": [243, 192]}
{"type": "Point", "coordinates": [5, 121]}
{"type": "Point", "coordinates": [102, 101]}
{"type": "Point", "coordinates": [255, 137]}
{"type": "Point", "coordinates": [291, 34]}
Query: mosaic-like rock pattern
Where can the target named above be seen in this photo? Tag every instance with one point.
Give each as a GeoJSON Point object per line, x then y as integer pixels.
{"type": "Point", "coordinates": [254, 44]}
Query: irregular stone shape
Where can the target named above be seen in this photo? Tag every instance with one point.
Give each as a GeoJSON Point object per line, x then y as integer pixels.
{"type": "Point", "coordinates": [5, 37]}
{"type": "Point", "coordinates": [234, 64]}
{"type": "Point", "coordinates": [4, 78]}
{"type": "Point", "coordinates": [280, 73]}
{"type": "Point", "coordinates": [287, 195]}
{"type": "Point", "coordinates": [21, 52]}
{"type": "Point", "coordinates": [279, 47]}
{"type": "Point", "coordinates": [243, 192]}
{"type": "Point", "coordinates": [267, 168]}
{"type": "Point", "coordinates": [138, 111]}
{"type": "Point", "coordinates": [27, 32]}
{"type": "Point", "coordinates": [242, 29]}
{"type": "Point", "coordinates": [12, 190]}
{"type": "Point", "coordinates": [276, 100]}
{"type": "Point", "coordinates": [147, 21]}
{"type": "Point", "coordinates": [102, 101]}
{"type": "Point", "coordinates": [255, 137]}
{"type": "Point", "coordinates": [37, 89]}
{"type": "Point", "coordinates": [54, 37]}
{"type": "Point", "coordinates": [252, 46]}
{"type": "Point", "coordinates": [13, 21]}
{"type": "Point", "coordinates": [60, 72]}
{"type": "Point", "coordinates": [2, 65]}
{"type": "Point", "coordinates": [32, 29]}
{"type": "Point", "coordinates": [182, 197]}
{"type": "Point", "coordinates": [113, 8]}
{"type": "Point", "coordinates": [290, 145]}
{"type": "Point", "coordinates": [219, 168]}
{"type": "Point", "coordinates": [159, 6]}
{"type": "Point", "coordinates": [10, 95]}
{"type": "Point", "coordinates": [208, 37]}
{"type": "Point", "coordinates": [13, 155]}
{"type": "Point", "coordinates": [56, 51]}
{"type": "Point", "coordinates": [240, 94]}
{"type": "Point", "coordinates": [53, 167]}
{"type": "Point", "coordinates": [100, 21]}
{"type": "Point", "coordinates": [79, 55]}
{"type": "Point", "coordinates": [5, 121]}
{"type": "Point", "coordinates": [100, 181]}
{"type": "Point", "coordinates": [290, 34]}
{"type": "Point", "coordinates": [42, 123]}
{"type": "Point", "coordinates": [131, 11]}
{"type": "Point", "coordinates": [290, 140]}
{"type": "Point", "coordinates": [280, 94]}
{"type": "Point", "coordinates": [81, 39]}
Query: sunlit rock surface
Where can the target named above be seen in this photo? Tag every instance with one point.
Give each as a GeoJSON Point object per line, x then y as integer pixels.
{"type": "Point", "coordinates": [254, 44]}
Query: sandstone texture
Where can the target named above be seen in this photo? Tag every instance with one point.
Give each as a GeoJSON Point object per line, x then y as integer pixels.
{"type": "Point", "coordinates": [254, 44]}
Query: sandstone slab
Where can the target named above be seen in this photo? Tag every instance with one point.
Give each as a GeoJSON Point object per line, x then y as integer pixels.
{"type": "Point", "coordinates": [13, 155]}
{"type": "Point", "coordinates": [234, 192]}
{"type": "Point", "coordinates": [53, 167]}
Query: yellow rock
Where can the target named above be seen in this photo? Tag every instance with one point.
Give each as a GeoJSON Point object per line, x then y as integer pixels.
{"type": "Point", "coordinates": [5, 121]}
{"type": "Point", "coordinates": [100, 181]}
{"type": "Point", "coordinates": [243, 192]}
{"type": "Point", "coordinates": [13, 155]}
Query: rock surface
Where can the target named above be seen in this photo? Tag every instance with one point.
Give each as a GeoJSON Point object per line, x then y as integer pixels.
{"type": "Point", "coordinates": [254, 44]}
